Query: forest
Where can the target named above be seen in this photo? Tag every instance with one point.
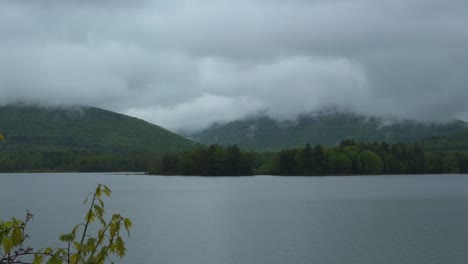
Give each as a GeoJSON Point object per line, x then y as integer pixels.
{"type": "Point", "coordinates": [347, 158]}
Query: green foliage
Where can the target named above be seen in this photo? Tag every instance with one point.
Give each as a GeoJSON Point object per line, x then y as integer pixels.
{"type": "Point", "coordinates": [66, 161]}
{"type": "Point", "coordinates": [12, 235]}
{"type": "Point", "coordinates": [81, 246]}
{"type": "Point", "coordinates": [348, 158]}
{"type": "Point", "coordinates": [371, 163]}
{"type": "Point", "coordinates": [352, 158]}
{"type": "Point", "coordinates": [340, 163]}
{"type": "Point", "coordinates": [34, 128]}
{"type": "Point", "coordinates": [265, 134]}
{"type": "Point", "coordinates": [2, 138]}
{"type": "Point", "coordinates": [458, 142]}
{"type": "Point", "coordinates": [208, 161]}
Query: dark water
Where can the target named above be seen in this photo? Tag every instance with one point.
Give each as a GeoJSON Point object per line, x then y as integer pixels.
{"type": "Point", "coordinates": [330, 220]}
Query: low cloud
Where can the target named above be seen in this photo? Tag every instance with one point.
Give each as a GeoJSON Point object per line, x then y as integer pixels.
{"type": "Point", "coordinates": [183, 117]}
{"type": "Point", "coordinates": [185, 64]}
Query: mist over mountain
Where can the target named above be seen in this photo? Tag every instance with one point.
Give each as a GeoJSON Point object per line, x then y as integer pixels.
{"type": "Point", "coordinates": [327, 128]}
{"type": "Point", "coordinates": [186, 64]}
{"type": "Point", "coordinates": [457, 142]}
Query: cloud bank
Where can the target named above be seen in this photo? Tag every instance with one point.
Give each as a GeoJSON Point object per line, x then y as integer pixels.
{"type": "Point", "coordinates": [185, 64]}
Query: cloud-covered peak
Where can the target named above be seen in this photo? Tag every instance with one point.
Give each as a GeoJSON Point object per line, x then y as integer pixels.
{"type": "Point", "coordinates": [185, 64]}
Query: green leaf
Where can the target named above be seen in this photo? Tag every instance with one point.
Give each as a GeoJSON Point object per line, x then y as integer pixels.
{"type": "Point", "coordinates": [87, 197]}
{"type": "Point", "coordinates": [120, 247]}
{"type": "Point", "coordinates": [8, 224]}
{"type": "Point", "coordinates": [106, 190]}
{"type": "Point", "coordinates": [81, 247]}
{"type": "Point", "coordinates": [54, 260]}
{"type": "Point", "coordinates": [38, 259]}
{"type": "Point", "coordinates": [99, 211]}
{"type": "Point", "coordinates": [112, 229]}
{"type": "Point", "coordinates": [90, 216]}
{"type": "Point", "coordinates": [128, 225]}
{"type": "Point", "coordinates": [48, 250]}
{"type": "Point", "coordinates": [73, 232]}
{"type": "Point", "coordinates": [60, 252]}
{"type": "Point", "coordinates": [104, 252]}
{"type": "Point", "coordinates": [98, 192]}
{"type": "Point", "coordinates": [74, 258]}
{"type": "Point", "coordinates": [66, 237]}
{"type": "Point", "coordinates": [7, 245]}
{"type": "Point", "coordinates": [100, 236]}
{"type": "Point", "coordinates": [16, 236]}
{"type": "Point", "coordinates": [92, 260]}
{"type": "Point", "coordinates": [91, 243]}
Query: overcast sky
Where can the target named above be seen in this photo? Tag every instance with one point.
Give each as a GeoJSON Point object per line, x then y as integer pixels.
{"type": "Point", "coordinates": [185, 64]}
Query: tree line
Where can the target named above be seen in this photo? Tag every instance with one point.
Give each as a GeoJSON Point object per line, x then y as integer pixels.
{"type": "Point", "coordinates": [353, 158]}
{"type": "Point", "coordinates": [347, 158]}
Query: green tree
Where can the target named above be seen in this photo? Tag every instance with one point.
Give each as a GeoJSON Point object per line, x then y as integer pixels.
{"type": "Point", "coordinates": [187, 164]}
{"type": "Point", "coordinates": [318, 158]}
{"type": "Point", "coordinates": [434, 163]}
{"type": "Point", "coordinates": [306, 160]}
{"type": "Point", "coordinates": [169, 164]}
{"type": "Point", "coordinates": [340, 163]}
{"type": "Point", "coordinates": [220, 161]}
{"type": "Point", "coordinates": [233, 160]}
{"type": "Point", "coordinates": [353, 154]}
{"type": "Point", "coordinates": [371, 163]}
{"type": "Point", "coordinates": [81, 245]}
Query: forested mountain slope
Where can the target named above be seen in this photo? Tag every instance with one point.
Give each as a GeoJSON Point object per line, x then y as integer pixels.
{"type": "Point", "coordinates": [36, 128]}
{"type": "Point", "coordinates": [266, 134]}
{"type": "Point", "coordinates": [458, 142]}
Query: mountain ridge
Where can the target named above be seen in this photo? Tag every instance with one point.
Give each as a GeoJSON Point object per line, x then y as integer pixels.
{"type": "Point", "coordinates": [457, 142]}
{"type": "Point", "coordinates": [263, 133]}
{"type": "Point", "coordinates": [28, 127]}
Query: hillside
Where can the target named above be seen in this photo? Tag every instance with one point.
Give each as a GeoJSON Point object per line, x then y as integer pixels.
{"type": "Point", "coordinates": [28, 128]}
{"type": "Point", "coordinates": [266, 134]}
{"type": "Point", "coordinates": [458, 142]}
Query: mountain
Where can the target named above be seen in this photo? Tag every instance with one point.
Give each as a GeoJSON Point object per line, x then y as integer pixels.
{"type": "Point", "coordinates": [458, 142]}
{"type": "Point", "coordinates": [29, 128]}
{"type": "Point", "coordinates": [266, 134]}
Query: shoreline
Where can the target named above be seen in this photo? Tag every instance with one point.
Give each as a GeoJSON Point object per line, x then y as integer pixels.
{"type": "Point", "coordinates": [230, 176]}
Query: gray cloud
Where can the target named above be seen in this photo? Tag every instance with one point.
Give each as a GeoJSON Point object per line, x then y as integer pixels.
{"type": "Point", "coordinates": [185, 64]}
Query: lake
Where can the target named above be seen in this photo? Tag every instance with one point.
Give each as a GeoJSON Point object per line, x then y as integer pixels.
{"type": "Point", "coordinates": [263, 219]}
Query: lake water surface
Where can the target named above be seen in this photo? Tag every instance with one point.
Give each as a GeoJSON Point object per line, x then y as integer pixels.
{"type": "Point", "coordinates": [263, 219]}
